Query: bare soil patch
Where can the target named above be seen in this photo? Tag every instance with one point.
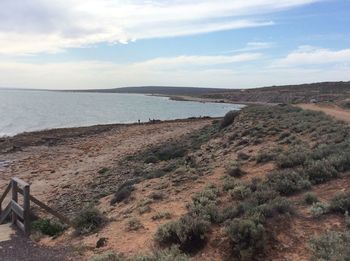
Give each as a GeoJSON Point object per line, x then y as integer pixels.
{"type": "Point", "coordinates": [332, 110]}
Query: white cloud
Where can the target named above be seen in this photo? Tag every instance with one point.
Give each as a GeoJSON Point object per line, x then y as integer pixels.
{"type": "Point", "coordinates": [96, 74]}
{"type": "Point", "coordinates": [193, 61]}
{"type": "Point", "coordinates": [175, 71]}
{"type": "Point", "coordinates": [253, 46]}
{"type": "Point", "coordinates": [308, 55]}
{"type": "Point", "coordinates": [34, 26]}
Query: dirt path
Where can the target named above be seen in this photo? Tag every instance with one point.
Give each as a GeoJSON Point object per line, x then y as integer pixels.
{"type": "Point", "coordinates": [332, 110]}
{"type": "Point", "coordinates": [20, 248]}
{"type": "Point", "coordinates": [53, 170]}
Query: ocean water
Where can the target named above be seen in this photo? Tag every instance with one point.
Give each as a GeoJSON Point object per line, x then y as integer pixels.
{"type": "Point", "coordinates": [23, 111]}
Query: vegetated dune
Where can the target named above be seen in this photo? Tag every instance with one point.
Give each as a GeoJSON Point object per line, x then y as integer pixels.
{"type": "Point", "coordinates": [266, 183]}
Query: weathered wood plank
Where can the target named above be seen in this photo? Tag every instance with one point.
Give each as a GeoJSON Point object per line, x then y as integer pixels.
{"type": "Point", "coordinates": [20, 225]}
{"type": "Point", "coordinates": [21, 184]}
{"type": "Point", "coordinates": [17, 209]}
{"type": "Point", "coordinates": [5, 213]}
{"type": "Point", "coordinates": [7, 190]}
{"type": "Point", "coordinates": [26, 209]}
{"type": "Point", "coordinates": [51, 211]}
{"type": "Point", "coordinates": [14, 199]}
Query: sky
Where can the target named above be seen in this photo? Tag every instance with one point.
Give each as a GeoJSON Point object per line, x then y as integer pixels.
{"type": "Point", "coordinates": [99, 44]}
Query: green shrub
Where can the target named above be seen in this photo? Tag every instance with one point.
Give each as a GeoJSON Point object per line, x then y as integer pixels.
{"type": "Point", "coordinates": [248, 238]}
{"type": "Point", "coordinates": [170, 151]}
{"type": "Point", "coordinates": [320, 171]}
{"type": "Point", "coordinates": [88, 220]}
{"type": "Point", "coordinates": [310, 198]}
{"type": "Point", "coordinates": [188, 232]}
{"type": "Point", "coordinates": [161, 215]}
{"type": "Point", "coordinates": [279, 205]}
{"type": "Point", "coordinates": [229, 119]}
{"type": "Point", "coordinates": [331, 246]}
{"type": "Point", "coordinates": [294, 157]}
{"type": "Point", "coordinates": [47, 227]}
{"type": "Point", "coordinates": [171, 254]}
{"type": "Point", "coordinates": [241, 192]}
{"type": "Point", "coordinates": [287, 182]}
{"type": "Point", "coordinates": [318, 209]}
{"type": "Point", "coordinates": [340, 161]}
{"type": "Point", "coordinates": [133, 224]}
{"type": "Point", "coordinates": [209, 212]}
{"type": "Point", "coordinates": [230, 183]}
{"type": "Point", "coordinates": [341, 203]}
{"type": "Point", "coordinates": [122, 193]}
{"type": "Point", "coordinates": [234, 170]}
{"type": "Point", "coordinates": [265, 155]}
{"type": "Point", "coordinates": [263, 193]}
{"type": "Point", "coordinates": [232, 211]}
{"type": "Point", "coordinates": [204, 205]}
{"type": "Point", "coordinates": [143, 205]}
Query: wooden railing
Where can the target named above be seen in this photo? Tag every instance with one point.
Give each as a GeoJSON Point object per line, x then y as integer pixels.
{"type": "Point", "coordinates": [20, 215]}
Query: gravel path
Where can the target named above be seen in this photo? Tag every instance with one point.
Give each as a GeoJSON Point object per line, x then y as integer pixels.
{"type": "Point", "coordinates": [20, 248]}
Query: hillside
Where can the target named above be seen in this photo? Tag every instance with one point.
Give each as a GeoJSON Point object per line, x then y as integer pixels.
{"type": "Point", "coordinates": [319, 92]}
{"type": "Point", "coordinates": [162, 90]}
{"type": "Point", "coordinates": [304, 93]}
{"type": "Point", "coordinates": [266, 183]}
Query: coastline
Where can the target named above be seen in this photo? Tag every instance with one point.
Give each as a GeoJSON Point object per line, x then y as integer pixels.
{"type": "Point", "coordinates": [208, 100]}
{"type": "Point", "coordinates": [50, 137]}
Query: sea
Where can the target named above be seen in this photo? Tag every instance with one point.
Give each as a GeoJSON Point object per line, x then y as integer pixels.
{"type": "Point", "coordinates": [27, 110]}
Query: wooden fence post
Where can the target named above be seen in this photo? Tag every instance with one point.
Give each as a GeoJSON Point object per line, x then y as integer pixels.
{"type": "Point", "coordinates": [15, 199]}
{"type": "Point", "coordinates": [26, 209]}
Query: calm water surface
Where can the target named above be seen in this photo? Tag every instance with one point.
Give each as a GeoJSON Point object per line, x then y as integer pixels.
{"type": "Point", "coordinates": [22, 111]}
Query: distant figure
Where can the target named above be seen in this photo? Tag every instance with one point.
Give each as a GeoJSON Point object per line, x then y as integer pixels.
{"type": "Point", "coordinates": [139, 121]}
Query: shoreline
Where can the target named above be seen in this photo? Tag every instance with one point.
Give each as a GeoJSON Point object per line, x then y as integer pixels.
{"type": "Point", "coordinates": [50, 137]}
{"type": "Point", "coordinates": [209, 100]}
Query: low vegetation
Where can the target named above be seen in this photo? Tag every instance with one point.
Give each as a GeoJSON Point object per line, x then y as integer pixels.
{"type": "Point", "coordinates": [340, 203]}
{"type": "Point", "coordinates": [133, 224]}
{"type": "Point", "coordinates": [89, 220]}
{"type": "Point", "coordinates": [234, 169]}
{"type": "Point", "coordinates": [188, 232]}
{"type": "Point", "coordinates": [303, 149]}
{"type": "Point", "coordinates": [229, 118]}
{"type": "Point", "coordinates": [47, 227]}
{"type": "Point", "coordinates": [122, 193]}
{"type": "Point", "coordinates": [310, 198]}
{"type": "Point", "coordinates": [248, 238]}
{"type": "Point", "coordinates": [331, 246]}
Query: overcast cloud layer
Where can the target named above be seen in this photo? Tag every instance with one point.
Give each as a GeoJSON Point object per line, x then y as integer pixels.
{"type": "Point", "coordinates": [35, 28]}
